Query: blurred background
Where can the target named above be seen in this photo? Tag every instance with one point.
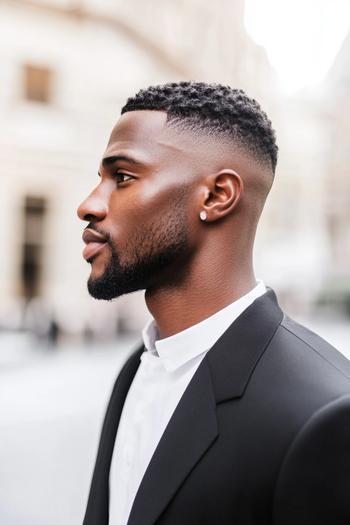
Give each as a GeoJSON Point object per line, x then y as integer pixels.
{"type": "Point", "coordinates": [66, 69]}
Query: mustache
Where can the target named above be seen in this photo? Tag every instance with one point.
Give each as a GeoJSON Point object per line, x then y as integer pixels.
{"type": "Point", "coordinates": [105, 235]}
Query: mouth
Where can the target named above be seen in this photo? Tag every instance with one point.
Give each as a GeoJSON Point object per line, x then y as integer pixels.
{"type": "Point", "coordinates": [92, 249]}
{"type": "Point", "coordinates": [95, 243]}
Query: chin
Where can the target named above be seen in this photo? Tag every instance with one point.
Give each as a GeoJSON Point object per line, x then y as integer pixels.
{"type": "Point", "coordinates": [98, 268]}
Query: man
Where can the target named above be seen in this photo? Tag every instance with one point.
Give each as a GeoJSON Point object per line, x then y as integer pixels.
{"type": "Point", "coordinates": [230, 412]}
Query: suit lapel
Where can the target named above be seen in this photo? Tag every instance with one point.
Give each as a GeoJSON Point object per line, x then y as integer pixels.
{"type": "Point", "coordinates": [191, 430]}
{"type": "Point", "coordinates": [235, 355]}
{"type": "Point", "coordinates": [98, 502]}
{"type": "Point", "coordinates": [223, 374]}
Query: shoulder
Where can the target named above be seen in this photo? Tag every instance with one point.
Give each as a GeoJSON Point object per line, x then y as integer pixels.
{"type": "Point", "coordinates": [314, 481]}
{"type": "Point", "coordinates": [304, 353]}
{"type": "Point", "coordinates": [303, 336]}
{"type": "Point", "coordinates": [313, 381]}
{"type": "Point", "coordinates": [298, 374]}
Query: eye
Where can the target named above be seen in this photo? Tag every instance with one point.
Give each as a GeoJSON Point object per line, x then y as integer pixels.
{"type": "Point", "coordinates": [122, 177]}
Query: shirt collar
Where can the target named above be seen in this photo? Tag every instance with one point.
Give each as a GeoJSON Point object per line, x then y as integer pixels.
{"type": "Point", "coordinates": [178, 349]}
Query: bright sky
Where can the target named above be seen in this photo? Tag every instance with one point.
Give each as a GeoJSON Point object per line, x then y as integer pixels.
{"type": "Point", "coordinates": [301, 37]}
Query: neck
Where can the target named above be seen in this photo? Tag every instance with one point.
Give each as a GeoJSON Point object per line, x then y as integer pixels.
{"type": "Point", "coordinates": [204, 291]}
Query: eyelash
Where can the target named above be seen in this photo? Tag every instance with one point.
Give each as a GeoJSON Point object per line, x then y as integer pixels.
{"type": "Point", "coordinates": [124, 175]}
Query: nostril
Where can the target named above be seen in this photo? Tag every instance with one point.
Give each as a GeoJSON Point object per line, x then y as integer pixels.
{"type": "Point", "coordinates": [89, 217]}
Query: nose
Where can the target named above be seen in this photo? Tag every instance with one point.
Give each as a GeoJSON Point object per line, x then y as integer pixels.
{"type": "Point", "coordinates": [94, 207]}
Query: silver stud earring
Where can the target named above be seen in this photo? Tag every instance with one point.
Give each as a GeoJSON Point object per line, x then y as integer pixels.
{"type": "Point", "coordinates": [203, 215]}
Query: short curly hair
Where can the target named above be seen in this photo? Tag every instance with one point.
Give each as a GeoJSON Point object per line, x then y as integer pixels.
{"type": "Point", "coordinates": [213, 109]}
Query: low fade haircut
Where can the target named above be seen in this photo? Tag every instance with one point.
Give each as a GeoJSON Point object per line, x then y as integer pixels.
{"type": "Point", "coordinates": [215, 110]}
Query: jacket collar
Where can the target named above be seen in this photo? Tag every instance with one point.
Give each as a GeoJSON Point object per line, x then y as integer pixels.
{"type": "Point", "coordinates": [98, 502]}
{"type": "Point", "coordinates": [235, 355]}
{"type": "Point", "coordinates": [176, 350]}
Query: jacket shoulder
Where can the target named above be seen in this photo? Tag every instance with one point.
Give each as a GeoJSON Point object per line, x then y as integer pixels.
{"type": "Point", "coordinates": [314, 485]}
{"type": "Point", "coordinates": [305, 371]}
{"type": "Point", "coordinates": [298, 335]}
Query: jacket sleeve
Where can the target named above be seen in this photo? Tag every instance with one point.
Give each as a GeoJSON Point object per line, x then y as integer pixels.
{"type": "Point", "coordinates": [313, 486]}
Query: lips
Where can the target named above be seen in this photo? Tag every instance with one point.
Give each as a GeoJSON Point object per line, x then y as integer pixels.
{"type": "Point", "coordinates": [95, 242]}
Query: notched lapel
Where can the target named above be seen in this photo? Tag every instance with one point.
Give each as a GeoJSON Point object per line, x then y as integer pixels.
{"type": "Point", "coordinates": [98, 502]}
{"type": "Point", "coordinates": [235, 355]}
{"type": "Point", "coordinates": [190, 432]}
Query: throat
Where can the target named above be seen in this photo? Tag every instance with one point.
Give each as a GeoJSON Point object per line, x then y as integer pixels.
{"type": "Point", "coordinates": [175, 310]}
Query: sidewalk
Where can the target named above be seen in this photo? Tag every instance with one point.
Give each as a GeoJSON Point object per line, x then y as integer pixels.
{"type": "Point", "coordinates": [51, 411]}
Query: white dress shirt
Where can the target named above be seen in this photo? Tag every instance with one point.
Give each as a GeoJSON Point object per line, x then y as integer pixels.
{"type": "Point", "coordinates": [167, 366]}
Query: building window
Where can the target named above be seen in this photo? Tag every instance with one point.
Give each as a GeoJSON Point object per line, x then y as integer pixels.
{"type": "Point", "coordinates": [34, 215]}
{"type": "Point", "coordinates": [37, 83]}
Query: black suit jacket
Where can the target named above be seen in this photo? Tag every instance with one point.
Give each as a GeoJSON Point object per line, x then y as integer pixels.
{"type": "Point", "coordinates": [260, 436]}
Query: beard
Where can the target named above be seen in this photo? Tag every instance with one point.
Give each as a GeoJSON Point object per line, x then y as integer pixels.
{"type": "Point", "coordinates": [153, 254]}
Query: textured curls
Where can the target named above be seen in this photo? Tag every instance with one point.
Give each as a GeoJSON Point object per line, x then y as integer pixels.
{"type": "Point", "coordinates": [213, 109]}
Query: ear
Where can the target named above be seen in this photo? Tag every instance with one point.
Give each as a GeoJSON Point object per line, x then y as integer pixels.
{"type": "Point", "coordinates": [223, 192]}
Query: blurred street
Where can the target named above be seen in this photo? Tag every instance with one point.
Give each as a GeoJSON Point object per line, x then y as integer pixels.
{"type": "Point", "coordinates": [51, 409]}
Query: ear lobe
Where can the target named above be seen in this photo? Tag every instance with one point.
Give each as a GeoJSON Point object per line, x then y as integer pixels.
{"type": "Point", "coordinates": [226, 190]}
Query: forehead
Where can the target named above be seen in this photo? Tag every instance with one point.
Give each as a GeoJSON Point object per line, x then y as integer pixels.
{"type": "Point", "coordinates": [145, 135]}
{"type": "Point", "coordinates": [141, 131]}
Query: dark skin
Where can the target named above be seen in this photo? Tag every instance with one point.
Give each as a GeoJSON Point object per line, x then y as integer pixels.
{"type": "Point", "coordinates": [136, 197]}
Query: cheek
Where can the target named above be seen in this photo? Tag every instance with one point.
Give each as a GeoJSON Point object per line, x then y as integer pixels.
{"type": "Point", "coordinates": [155, 196]}
{"type": "Point", "coordinates": [132, 207]}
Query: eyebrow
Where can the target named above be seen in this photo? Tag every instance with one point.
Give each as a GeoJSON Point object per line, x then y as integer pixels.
{"type": "Point", "coordinates": [121, 158]}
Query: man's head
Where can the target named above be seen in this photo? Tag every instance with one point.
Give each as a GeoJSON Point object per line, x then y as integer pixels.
{"type": "Point", "coordinates": [177, 150]}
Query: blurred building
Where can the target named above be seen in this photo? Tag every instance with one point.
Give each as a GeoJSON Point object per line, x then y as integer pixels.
{"type": "Point", "coordinates": [67, 67]}
{"type": "Point", "coordinates": [307, 221]}
{"type": "Point", "coordinates": [292, 251]}
{"type": "Point", "coordinates": [66, 70]}
{"type": "Point", "coordinates": [208, 39]}
{"type": "Point", "coordinates": [336, 108]}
